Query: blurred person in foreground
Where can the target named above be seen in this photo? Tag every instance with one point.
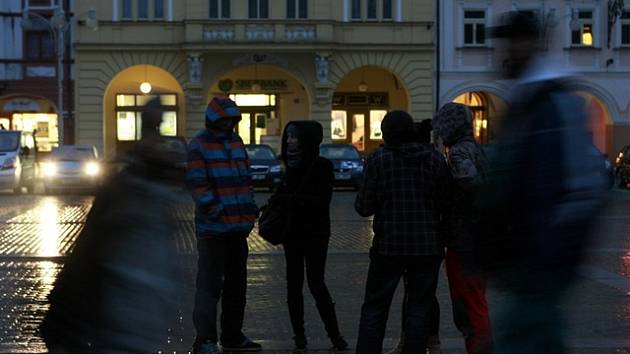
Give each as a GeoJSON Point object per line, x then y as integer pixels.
{"type": "Point", "coordinates": [423, 131]}
{"type": "Point", "coordinates": [405, 187]}
{"type": "Point", "coordinates": [307, 191]}
{"type": "Point", "coordinates": [453, 127]}
{"type": "Point", "coordinates": [543, 191]}
{"type": "Point", "coordinates": [117, 291]}
{"type": "Point", "coordinates": [220, 179]}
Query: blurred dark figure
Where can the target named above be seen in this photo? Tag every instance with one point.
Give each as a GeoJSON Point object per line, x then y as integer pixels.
{"type": "Point", "coordinates": [118, 287]}
{"type": "Point", "coordinates": [453, 125]}
{"type": "Point", "coordinates": [307, 190]}
{"type": "Point", "coordinates": [542, 194]}
{"type": "Point", "coordinates": [225, 211]}
{"type": "Point", "coordinates": [423, 136]}
{"type": "Point", "coordinates": [405, 187]}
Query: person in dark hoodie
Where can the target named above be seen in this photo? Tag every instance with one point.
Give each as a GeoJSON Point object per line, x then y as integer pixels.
{"type": "Point", "coordinates": [307, 190]}
{"type": "Point", "coordinates": [118, 288]}
{"type": "Point", "coordinates": [453, 125]}
{"type": "Point", "coordinates": [405, 186]}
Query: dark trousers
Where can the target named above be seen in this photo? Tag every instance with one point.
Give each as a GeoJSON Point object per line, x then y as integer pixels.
{"type": "Point", "coordinates": [434, 314]}
{"type": "Point", "coordinates": [383, 277]}
{"type": "Point", "coordinates": [222, 272]}
{"type": "Point", "coordinates": [309, 253]}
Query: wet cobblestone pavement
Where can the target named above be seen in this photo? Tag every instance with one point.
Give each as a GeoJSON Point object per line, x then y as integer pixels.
{"type": "Point", "coordinates": [36, 232]}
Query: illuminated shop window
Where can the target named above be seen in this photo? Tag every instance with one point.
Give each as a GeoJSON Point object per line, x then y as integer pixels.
{"type": "Point", "coordinates": [247, 100]}
{"type": "Point", "coordinates": [43, 124]}
{"type": "Point", "coordinates": [129, 115]}
{"type": "Point", "coordinates": [477, 106]}
{"type": "Point", "coordinates": [376, 117]}
{"type": "Point", "coordinates": [339, 125]}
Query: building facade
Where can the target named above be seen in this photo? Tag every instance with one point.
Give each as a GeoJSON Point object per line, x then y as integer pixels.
{"type": "Point", "coordinates": [584, 38]}
{"type": "Point", "coordinates": [29, 70]}
{"type": "Point", "coordinates": [344, 63]}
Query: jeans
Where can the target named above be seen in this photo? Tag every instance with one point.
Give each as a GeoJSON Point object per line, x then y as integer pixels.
{"type": "Point", "coordinates": [384, 274]}
{"type": "Point", "coordinates": [222, 272]}
{"type": "Point", "coordinates": [310, 254]}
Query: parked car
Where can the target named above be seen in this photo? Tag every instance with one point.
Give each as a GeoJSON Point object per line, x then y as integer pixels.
{"type": "Point", "coordinates": [267, 170]}
{"type": "Point", "coordinates": [623, 167]}
{"type": "Point", "coordinates": [75, 167]}
{"type": "Point", "coordinates": [347, 163]}
{"type": "Point", "coordinates": [17, 160]}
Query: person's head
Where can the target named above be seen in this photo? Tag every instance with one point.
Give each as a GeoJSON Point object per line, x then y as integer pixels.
{"type": "Point", "coordinates": [519, 40]}
{"type": "Point", "coordinates": [152, 117]}
{"type": "Point", "coordinates": [452, 123]}
{"type": "Point", "coordinates": [398, 128]}
{"type": "Point", "coordinates": [300, 142]}
{"type": "Point", "coordinates": [222, 114]}
{"type": "Point", "coordinates": [423, 131]}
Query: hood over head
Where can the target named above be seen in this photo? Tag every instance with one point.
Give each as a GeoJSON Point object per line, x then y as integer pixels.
{"type": "Point", "coordinates": [221, 107]}
{"type": "Point", "coordinates": [310, 135]}
{"type": "Point", "coordinates": [398, 128]}
{"type": "Point", "coordinates": [453, 123]}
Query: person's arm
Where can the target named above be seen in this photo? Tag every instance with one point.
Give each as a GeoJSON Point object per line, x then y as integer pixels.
{"type": "Point", "coordinates": [463, 169]}
{"type": "Point", "coordinates": [366, 201]}
{"type": "Point", "coordinates": [444, 198]}
{"type": "Point", "coordinates": [197, 178]}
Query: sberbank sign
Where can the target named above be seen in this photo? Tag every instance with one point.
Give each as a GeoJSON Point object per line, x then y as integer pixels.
{"type": "Point", "coordinates": [264, 84]}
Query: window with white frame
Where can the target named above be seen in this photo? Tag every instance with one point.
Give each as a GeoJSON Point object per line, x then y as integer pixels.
{"type": "Point", "coordinates": [297, 9]}
{"type": "Point", "coordinates": [372, 10]}
{"type": "Point", "coordinates": [474, 27]}
{"type": "Point", "coordinates": [258, 9]}
{"type": "Point", "coordinates": [219, 9]}
{"type": "Point", "coordinates": [625, 28]}
{"type": "Point", "coordinates": [584, 36]}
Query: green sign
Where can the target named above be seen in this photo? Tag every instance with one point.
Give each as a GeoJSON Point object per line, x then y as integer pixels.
{"type": "Point", "coordinates": [264, 84]}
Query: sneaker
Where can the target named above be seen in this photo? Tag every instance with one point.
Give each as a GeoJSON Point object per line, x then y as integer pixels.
{"type": "Point", "coordinates": [339, 344]}
{"type": "Point", "coordinates": [207, 347]}
{"type": "Point", "coordinates": [247, 345]}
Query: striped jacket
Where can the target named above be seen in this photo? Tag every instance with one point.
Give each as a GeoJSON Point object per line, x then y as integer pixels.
{"type": "Point", "coordinates": [220, 179]}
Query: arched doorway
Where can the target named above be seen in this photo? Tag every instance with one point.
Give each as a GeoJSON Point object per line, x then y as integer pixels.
{"type": "Point", "coordinates": [32, 114]}
{"type": "Point", "coordinates": [598, 120]}
{"type": "Point", "coordinates": [269, 97]}
{"type": "Point", "coordinates": [360, 102]}
{"type": "Point", "coordinates": [124, 101]}
{"type": "Point", "coordinates": [487, 110]}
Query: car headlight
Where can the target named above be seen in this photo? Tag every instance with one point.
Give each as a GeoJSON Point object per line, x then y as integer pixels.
{"type": "Point", "coordinates": [10, 163]}
{"type": "Point", "coordinates": [49, 169]}
{"type": "Point", "coordinates": [276, 169]}
{"type": "Point", "coordinates": [92, 169]}
{"type": "Point", "coordinates": [350, 164]}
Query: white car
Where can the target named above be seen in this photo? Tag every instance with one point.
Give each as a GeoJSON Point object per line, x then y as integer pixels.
{"type": "Point", "coordinates": [72, 167]}
{"type": "Point", "coordinates": [17, 160]}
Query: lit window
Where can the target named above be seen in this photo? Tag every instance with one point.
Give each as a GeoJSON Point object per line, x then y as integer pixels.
{"type": "Point", "coordinates": [254, 100]}
{"type": "Point", "coordinates": [474, 27]}
{"type": "Point", "coordinates": [376, 118]}
{"type": "Point", "coordinates": [584, 35]}
{"type": "Point", "coordinates": [219, 9]}
{"type": "Point", "coordinates": [339, 125]}
{"type": "Point", "coordinates": [129, 115]}
{"type": "Point", "coordinates": [297, 9]}
{"type": "Point", "coordinates": [625, 28]}
{"type": "Point", "coordinates": [258, 9]}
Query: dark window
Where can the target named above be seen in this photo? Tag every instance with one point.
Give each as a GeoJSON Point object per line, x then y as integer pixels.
{"type": "Point", "coordinates": [126, 9]}
{"type": "Point", "coordinates": [290, 8]}
{"type": "Point", "coordinates": [474, 27]}
{"type": "Point", "coordinates": [214, 9]}
{"type": "Point", "coordinates": [576, 37]}
{"type": "Point", "coordinates": [480, 34]}
{"type": "Point", "coordinates": [253, 8]}
{"type": "Point", "coordinates": [303, 13]}
{"type": "Point", "coordinates": [258, 8]}
{"type": "Point", "coordinates": [264, 8]}
{"type": "Point", "coordinates": [43, 3]}
{"type": "Point", "coordinates": [583, 15]}
{"type": "Point", "coordinates": [371, 9]}
{"type": "Point", "coordinates": [468, 33]}
{"type": "Point", "coordinates": [225, 9]}
{"type": "Point", "coordinates": [475, 14]}
{"type": "Point", "coordinates": [625, 34]}
{"type": "Point", "coordinates": [356, 9]}
{"type": "Point", "coordinates": [625, 15]}
{"type": "Point", "coordinates": [143, 9]}
{"type": "Point", "coordinates": [158, 11]}
{"type": "Point", "coordinates": [39, 45]}
{"type": "Point", "coordinates": [387, 9]}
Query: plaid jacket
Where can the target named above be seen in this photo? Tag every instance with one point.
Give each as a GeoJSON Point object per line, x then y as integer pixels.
{"type": "Point", "coordinates": [220, 179]}
{"type": "Point", "coordinates": [406, 189]}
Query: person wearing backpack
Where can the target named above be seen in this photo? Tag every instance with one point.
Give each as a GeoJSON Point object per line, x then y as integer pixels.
{"type": "Point", "coordinates": [542, 194]}
{"type": "Point", "coordinates": [307, 192]}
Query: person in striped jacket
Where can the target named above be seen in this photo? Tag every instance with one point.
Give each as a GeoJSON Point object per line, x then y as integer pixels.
{"type": "Point", "coordinates": [219, 177]}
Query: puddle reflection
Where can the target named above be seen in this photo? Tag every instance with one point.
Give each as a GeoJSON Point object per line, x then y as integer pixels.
{"type": "Point", "coordinates": [49, 232]}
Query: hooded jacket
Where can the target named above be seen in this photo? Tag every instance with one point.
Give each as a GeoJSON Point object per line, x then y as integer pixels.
{"type": "Point", "coordinates": [468, 165]}
{"type": "Point", "coordinates": [308, 187]}
{"type": "Point", "coordinates": [405, 186]}
{"type": "Point", "coordinates": [219, 176]}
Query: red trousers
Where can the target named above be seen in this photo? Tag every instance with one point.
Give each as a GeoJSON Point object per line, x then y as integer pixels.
{"type": "Point", "coordinates": [470, 308]}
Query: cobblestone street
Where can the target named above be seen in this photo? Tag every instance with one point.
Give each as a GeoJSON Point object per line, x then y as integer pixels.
{"type": "Point", "coordinates": [36, 232]}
